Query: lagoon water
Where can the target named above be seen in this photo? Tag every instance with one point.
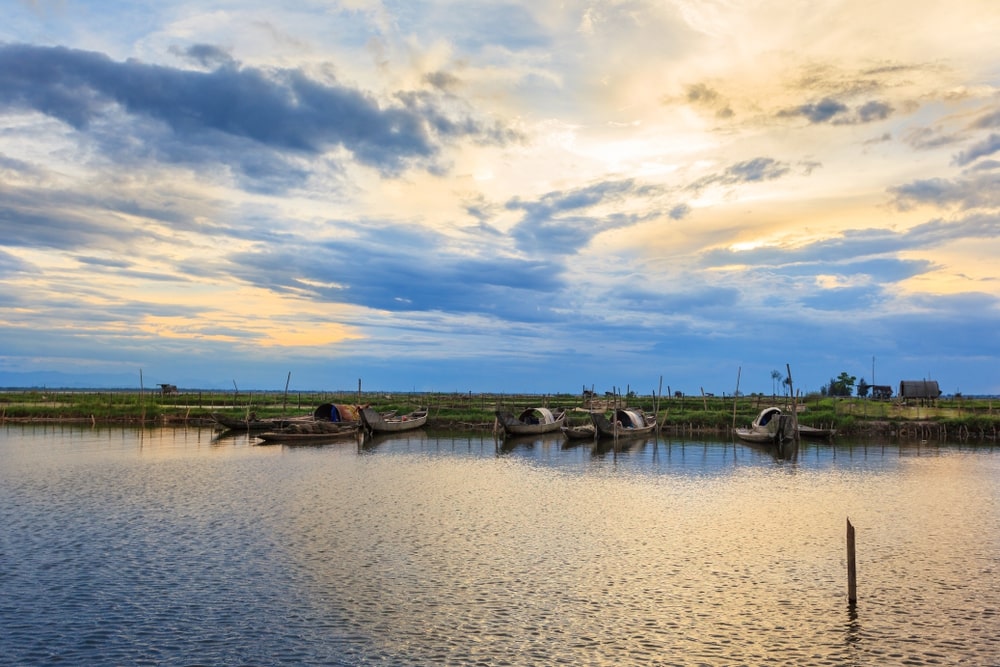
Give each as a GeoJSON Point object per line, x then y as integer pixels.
{"type": "Point", "coordinates": [171, 547]}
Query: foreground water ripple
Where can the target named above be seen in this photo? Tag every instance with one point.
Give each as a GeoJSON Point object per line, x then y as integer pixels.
{"type": "Point", "coordinates": [172, 547]}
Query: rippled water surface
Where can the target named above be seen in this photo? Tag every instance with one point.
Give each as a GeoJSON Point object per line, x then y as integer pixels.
{"type": "Point", "coordinates": [171, 547]}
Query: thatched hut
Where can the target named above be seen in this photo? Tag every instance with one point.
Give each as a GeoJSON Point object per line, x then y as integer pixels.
{"type": "Point", "coordinates": [923, 390]}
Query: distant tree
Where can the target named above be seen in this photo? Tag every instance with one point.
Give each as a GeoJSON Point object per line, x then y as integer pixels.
{"type": "Point", "coordinates": [863, 388]}
{"type": "Point", "coordinates": [841, 386]}
{"type": "Point", "coordinates": [775, 378]}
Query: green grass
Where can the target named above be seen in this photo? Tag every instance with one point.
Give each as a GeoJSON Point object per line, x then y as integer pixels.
{"type": "Point", "coordinates": [972, 416]}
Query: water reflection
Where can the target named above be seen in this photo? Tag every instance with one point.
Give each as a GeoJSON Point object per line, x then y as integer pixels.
{"type": "Point", "coordinates": [173, 546]}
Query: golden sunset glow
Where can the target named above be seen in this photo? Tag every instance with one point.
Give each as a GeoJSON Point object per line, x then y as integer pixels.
{"type": "Point", "coordinates": [362, 182]}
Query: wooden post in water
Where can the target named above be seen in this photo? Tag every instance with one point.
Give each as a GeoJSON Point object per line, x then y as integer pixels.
{"type": "Point", "coordinates": [736, 395]}
{"type": "Point", "coordinates": [656, 405]}
{"type": "Point", "coordinates": [795, 415]}
{"type": "Point", "coordinates": [852, 570]}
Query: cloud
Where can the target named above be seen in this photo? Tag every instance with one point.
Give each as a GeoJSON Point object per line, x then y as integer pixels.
{"type": "Point", "coordinates": [927, 138]}
{"type": "Point", "coordinates": [231, 108]}
{"type": "Point", "coordinates": [10, 264]}
{"type": "Point", "coordinates": [874, 110]}
{"type": "Point", "coordinates": [702, 95]}
{"type": "Point", "coordinates": [988, 146]}
{"type": "Point", "coordinates": [414, 272]}
{"type": "Point", "coordinates": [756, 170]}
{"type": "Point", "coordinates": [207, 55]}
{"type": "Point", "coordinates": [562, 222]}
{"type": "Point", "coordinates": [829, 110]}
{"type": "Point", "coordinates": [817, 112]}
{"type": "Point", "coordinates": [987, 121]}
{"type": "Point", "coordinates": [979, 189]}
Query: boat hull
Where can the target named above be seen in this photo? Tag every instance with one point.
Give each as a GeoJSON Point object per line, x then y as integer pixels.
{"type": "Point", "coordinates": [628, 424]}
{"type": "Point", "coordinates": [376, 423]}
{"type": "Point", "coordinates": [314, 433]}
{"type": "Point", "coordinates": [547, 421]}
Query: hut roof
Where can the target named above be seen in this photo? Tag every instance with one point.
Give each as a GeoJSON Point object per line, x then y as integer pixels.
{"type": "Point", "coordinates": [919, 389]}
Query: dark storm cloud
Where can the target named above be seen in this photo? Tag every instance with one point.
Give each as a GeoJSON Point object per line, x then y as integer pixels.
{"type": "Point", "coordinates": [282, 110]}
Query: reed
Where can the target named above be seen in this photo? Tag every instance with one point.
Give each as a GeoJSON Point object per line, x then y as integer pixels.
{"type": "Point", "coordinates": [961, 418]}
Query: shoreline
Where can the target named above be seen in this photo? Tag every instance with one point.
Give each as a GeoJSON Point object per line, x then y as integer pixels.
{"type": "Point", "coordinates": [957, 419]}
{"type": "Point", "coordinates": [910, 431]}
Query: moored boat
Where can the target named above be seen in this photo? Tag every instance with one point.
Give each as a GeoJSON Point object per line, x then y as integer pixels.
{"type": "Point", "coordinates": [532, 421]}
{"type": "Point", "coordinates": [580, 432]}
{"type": "Point", "coordinates": [337, 412]}
{"type": "Point", "coordinates": [816, 433]}
{"type": "Point", "coordinates": [250, 422]}
{"type": "Point", "coordinates": [314, 432]}
{"type": "Point", "coordinates": [770, 426]}
{"type": "Point", "coordinates": [391, 423]}
{"type": "Point", "coordinates": [628, 423]}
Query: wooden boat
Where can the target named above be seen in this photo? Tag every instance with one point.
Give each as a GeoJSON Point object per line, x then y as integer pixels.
{"type": "Point", "coordinates": [532, 421]}
{"type": "Point", "coordinates": [580, 432]}
{"type": "Point", "coordinates": [338, 412]}
{"type": "Point", "coordinates": [816, 433]}
{"type": "Point", "coordinates": [314, 432]}
{"type": "Point", "coordinates": [770, 426]}
{"type": "Point", "coordinates": [628, 423]}
{"type": "Point", "coordinates": [250, 423]}
{"type": "Point", "coordinates": [390, 423]}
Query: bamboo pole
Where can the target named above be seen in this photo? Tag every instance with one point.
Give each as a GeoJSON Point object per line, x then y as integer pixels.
{"type": "Point", "coordinates": [795, 411]}
{"type": "Point", "coordinates": [852, 571]}
{"type": "Point", "coordinates": [284, 402]}
{"type": "Point", "coordinates": [736, 395]}
{"type": "Point", "coordinates": [656, 405]}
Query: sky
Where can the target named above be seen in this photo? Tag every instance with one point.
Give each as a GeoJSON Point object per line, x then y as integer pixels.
{"type": "Point", "coordinates": [523, 196]}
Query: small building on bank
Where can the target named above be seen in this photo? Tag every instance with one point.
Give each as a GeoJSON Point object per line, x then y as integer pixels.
{"type": "Point", "coordinates": [924, 390]}
{"type": "Point", "coordinates": [881, 392]}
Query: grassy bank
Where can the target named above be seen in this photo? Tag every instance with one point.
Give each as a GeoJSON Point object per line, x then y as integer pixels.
{"type": "Point", "coordinates": [946, 418]}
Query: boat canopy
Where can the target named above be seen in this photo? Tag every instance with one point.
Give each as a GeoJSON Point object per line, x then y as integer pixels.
{"type": "Point", "coordinates": [537, 416]}
{"type": "Point", "coordinates": [766, 415]}
{"type": "Point", "coordinates": [629, 418]}
{"type": "Point", "coordinates": [336, 412]}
